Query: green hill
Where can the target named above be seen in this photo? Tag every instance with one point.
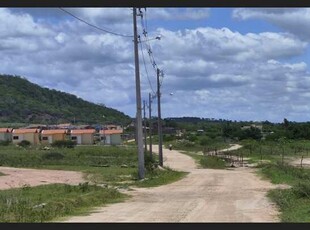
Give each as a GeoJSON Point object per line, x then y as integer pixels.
{"type": "Point", "coordinates": [24, 102]}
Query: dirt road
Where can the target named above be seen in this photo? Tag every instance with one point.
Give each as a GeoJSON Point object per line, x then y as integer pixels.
{"type": "Point", "coordinates": [204, 195]}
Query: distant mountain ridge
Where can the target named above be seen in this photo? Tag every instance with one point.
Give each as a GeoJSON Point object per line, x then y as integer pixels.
{"type": "Point", "coordinates": [26, 102]}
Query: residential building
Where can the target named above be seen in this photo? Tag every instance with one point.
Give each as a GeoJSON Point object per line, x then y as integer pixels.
{"type": "Point", "coordinates": [83, 136]}
{"type": "Point", "coordinates": [31, 135]}
{"type": "Point", "coordinates": [111, 136]}
{"type": "Point", "coordinates": [260, 127]}
{"type": "Point", "coordinates": [52, 135]}
{"type": "Point", "coordinates": [6, 134]}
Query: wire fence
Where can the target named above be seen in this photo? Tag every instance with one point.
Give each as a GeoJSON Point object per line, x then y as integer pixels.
{"type": "Point", "coordinates": [247, 155]}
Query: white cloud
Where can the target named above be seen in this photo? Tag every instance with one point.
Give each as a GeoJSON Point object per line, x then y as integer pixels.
{"type": "Point", "coordinates": [224, 45]}
{"type": "Point", "coordinates": [178, 13]}
{"type": "Point", "coordinates": [212, 72]}
{"type": "Point", "coordinates": [293, 20]}
{"type": "Point", "coordinates": [15, 25]}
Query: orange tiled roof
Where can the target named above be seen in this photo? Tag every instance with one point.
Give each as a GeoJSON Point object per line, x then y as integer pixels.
{"type": "Point", "coordinates": [22, 131]}
{"type": "Point", "coordinates": [111, 131]}
{"type": "Point", "coordinates": [54, 131]}
{"type": "Point", "coordinates": [83, 131]}
{"type": "Point", "coordinates": [5, 130]}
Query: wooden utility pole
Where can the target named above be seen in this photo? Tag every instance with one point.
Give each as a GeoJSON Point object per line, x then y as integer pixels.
{"type": "Point", "coordinates": [139, 137]}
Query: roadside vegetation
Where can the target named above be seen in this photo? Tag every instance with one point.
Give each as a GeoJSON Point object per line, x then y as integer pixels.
{"type": "Point", "coordinates": [271, 148]}
{"type": "Point", "coordinates": [48, 202]}
{"type": "Point", "coordinates": [113, 165]}
{"type": "Point", "coordinates": [294, 203]}
{"type": "Point", "coordinates": [107, 169]}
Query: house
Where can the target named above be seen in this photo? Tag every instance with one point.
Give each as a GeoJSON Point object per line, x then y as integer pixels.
{"type": "Point", "coordinates": [83, 136]}
{"type": "Point", "coordinates": [6, 134]}
{"type": "Point", "coordinates": [260, 127]}
{"type": "Point", "coordinates": [31, 135]}
{"type": "Point", "coordinates": [111, 137]}
{"type": "Point", "coordinates": [52, 135]}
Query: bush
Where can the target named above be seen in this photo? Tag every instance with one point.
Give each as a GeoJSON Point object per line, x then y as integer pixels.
{"type": "Point", "coordinates": [167, 138]}
{"type": "Point", "coordinates": [212, 162]}
{"type": "Point", "coordinates": [192, 138]}
{"type": "Point", "coordinates": [204, 141]}
{"type": "Point", "coordinates": [53, 156]}
{"type": "Point", "coordinates": [4, 143]}
{"type": "Point", "coordinates": [24, 143]}
{"type": "Point", "coordinates": [150, 163]}
{"type": "Point", "coordinates": [64, 144]}
{"type": "Point", "coordinates": [302, 189]}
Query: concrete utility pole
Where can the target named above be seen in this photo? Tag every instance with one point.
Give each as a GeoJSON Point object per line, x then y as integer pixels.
{"type": "Point", "coordinates": [160, 138]}
{"type": "Point", "coordinates": [150, 124]}
{"type": "Point", "coordinates": [138, 99]}
{"type": "Point", "coordinates": [144, 119]}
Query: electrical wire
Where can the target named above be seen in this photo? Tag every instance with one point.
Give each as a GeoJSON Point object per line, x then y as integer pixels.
{"type": "Point", "coordinates": [147, 74]}
{"type": "Point", "coordinates": [152, 60]}
{"type": "Point", "coordinates": [96, 27]}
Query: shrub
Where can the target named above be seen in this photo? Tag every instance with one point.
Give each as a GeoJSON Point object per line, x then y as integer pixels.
{"type": "Point", "coordinates": [64, 144]}
{"type": "Point", "coordinates": [150, 163]}
{"type": "Point", "coordinates": [4, 143]}
{"type": "Point", "coordinates": [302, 189]}
{"type": "Point", "coordinates": [24, 143]}
{"type": "Point", "coordinates": [204, 141]}
{"type": "Point", "coordinates": [53, 156]}
{"type": "Point", "coordinates": [192, 138]}
{"type": "Point", "coordinates": [168, 138]}
{"type": "Point", "coordinates": [212, 162]}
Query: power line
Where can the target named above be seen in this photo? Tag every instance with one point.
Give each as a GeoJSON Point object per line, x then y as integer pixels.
{"type": "Point", "coordinates": [147, 74]}
{"type": "Point", "coordinates": [96, 27]}
{"type": "Point", "coordinates": [152, 60]}
{"type": "Point", "coordinates": [148, 46]}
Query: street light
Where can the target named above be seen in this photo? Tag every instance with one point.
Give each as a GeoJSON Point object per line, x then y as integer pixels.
{"type": "Point", "coordinates": [158, 37]}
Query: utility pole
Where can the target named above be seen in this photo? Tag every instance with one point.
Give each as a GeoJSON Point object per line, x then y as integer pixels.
{"type": "Point", "coordinates": [150, 124]}
{"type": "Point", "coordinates": [160, 138]}
{"type": "Point", "coordinates": [138, 101]}
{"type": "Point", "coordinates": [144, 119]}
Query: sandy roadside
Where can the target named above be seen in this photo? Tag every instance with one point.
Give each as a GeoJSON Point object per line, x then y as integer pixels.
{"type": "Point", "coordinates": [19, 177]}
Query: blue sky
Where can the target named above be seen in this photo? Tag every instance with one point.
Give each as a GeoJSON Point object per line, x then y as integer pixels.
{"type": "Point", "coordinates": [224, 63]}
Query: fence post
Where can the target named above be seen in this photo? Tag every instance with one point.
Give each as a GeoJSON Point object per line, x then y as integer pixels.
{"type": "Point", "coordinates": [302, 157]}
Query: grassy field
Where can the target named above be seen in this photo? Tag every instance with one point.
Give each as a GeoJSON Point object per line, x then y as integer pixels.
{"type": "Point", "coordinates": [159, 177]}
{"type": "Point", "coordinates": [111, 166]}
{"type": "Point", "coordinates": [198, 145]}
{"type": "Point", "coordinates": [273, 150]}
{"type": "Point", "coordinates": [49, 202]}
{"type": "Point", "coordinates": [101, 164]}
{"type": "Point", "coordinates": [294, 203]}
